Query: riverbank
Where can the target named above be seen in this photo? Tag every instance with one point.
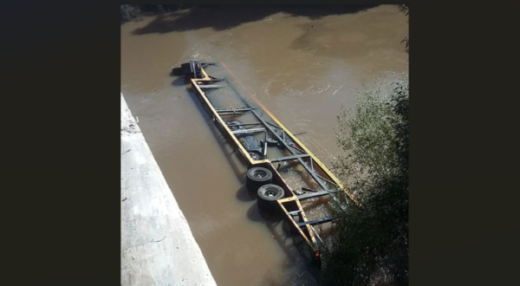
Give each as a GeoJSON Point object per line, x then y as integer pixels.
{"type": "Point", "coordinates": [157, 245]}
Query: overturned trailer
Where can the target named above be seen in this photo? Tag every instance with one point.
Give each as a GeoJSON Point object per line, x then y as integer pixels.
{"type": "Point", "coordinates": [269, 150]}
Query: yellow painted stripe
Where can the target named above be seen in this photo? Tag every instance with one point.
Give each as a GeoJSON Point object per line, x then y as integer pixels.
{"type": "Point", "coordinates": [206, 76]}
{"type": "Point", "coordinates": [254, 162]}
{"type": "Point", "coordinates": [297, 227]}
{"type": "Point", "coordinates": [217, 116]}
{"type": "Point", "coordinates": [311, 233]}
{"type": "Point", "coordinates": [289, 199]}
{"type": "Point", "coordinates": [306, 150]}
{"type": "Point", "coordinates": [293, 198]}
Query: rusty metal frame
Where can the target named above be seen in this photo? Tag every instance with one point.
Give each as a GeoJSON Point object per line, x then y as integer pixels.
{"type": "Point", "coordinates": [315, 163]}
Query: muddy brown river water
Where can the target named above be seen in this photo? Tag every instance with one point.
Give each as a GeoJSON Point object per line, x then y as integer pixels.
{"type": "Point", "coordinates": [302, 63]}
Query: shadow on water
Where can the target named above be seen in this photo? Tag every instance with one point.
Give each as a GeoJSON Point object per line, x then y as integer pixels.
{"type": "Point", "coordinates": [222, 17]}
{"type": "Point", "coordinates": [295, 266]}
{"type": "Point", "coordinates": [221, 139]}
{"type": "Point", "coordinates": [244, 195]}
{"type": "Point", "coordinates": [180, 81]}
{"type": "Point", "coordinates": [255, 214]}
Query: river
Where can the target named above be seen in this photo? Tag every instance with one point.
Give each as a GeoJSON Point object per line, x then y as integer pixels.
{"type": "Point", "coordinates": [302, 63]}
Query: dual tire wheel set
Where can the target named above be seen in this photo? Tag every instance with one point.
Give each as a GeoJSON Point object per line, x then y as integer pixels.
{"type": "Point", "coordinates": [259, 180]}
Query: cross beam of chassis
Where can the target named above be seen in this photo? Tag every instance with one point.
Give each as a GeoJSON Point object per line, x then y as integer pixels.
{"type": "Point", "coordinates": [241, 135]}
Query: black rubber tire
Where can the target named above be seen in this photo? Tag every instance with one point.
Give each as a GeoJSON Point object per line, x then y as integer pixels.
{"type": "Point", "coordinates": [198, 70]}
{"type": "Point", "coordinates": [177, 71]}
{"type": "Point", "coordinates": [185, 68]}
{"type": "Point", "coordinates": [271, 192]}
{"type": "Point", "coordinates": [268, 195]}
{"type": "Point", "coordinates": [192, 69]}
{"type": "Point", "coordinates": [258, 176]}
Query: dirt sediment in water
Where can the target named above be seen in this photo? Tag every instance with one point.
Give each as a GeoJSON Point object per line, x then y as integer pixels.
{"type": "Point", "coordinates": [301, 64]}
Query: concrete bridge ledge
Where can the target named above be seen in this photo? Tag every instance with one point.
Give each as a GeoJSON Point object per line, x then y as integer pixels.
{"type": "Point", "coordinates": [157, 246]}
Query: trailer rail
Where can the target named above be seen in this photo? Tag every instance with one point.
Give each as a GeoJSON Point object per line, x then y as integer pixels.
{"type": "Point", "coordinates": [277, 145]}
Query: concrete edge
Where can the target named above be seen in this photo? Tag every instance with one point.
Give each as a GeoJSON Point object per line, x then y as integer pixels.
{"type": "Point", "coordinates": [157, 245]}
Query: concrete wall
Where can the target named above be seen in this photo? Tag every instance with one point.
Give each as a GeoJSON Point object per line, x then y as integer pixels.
{"type": "Point", "coordinates": [157, 246]}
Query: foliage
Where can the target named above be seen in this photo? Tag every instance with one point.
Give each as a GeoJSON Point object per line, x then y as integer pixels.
{"type": "Point", "coordinates": [371, 245]}
{"type": "Point", "coordinates": [406, 10]}
{"type": "Point", "coordinates": [129, 12]}
{"type": "Point", "coordinates": [368, 134]}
